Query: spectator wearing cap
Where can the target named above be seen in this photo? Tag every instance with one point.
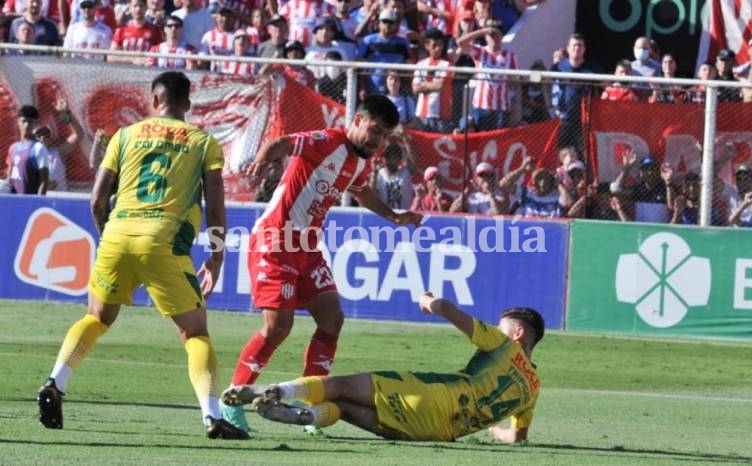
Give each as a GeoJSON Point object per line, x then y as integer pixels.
{"type": "Point", "coordinates": [173, 45]}
{"type": "Point", "coordinates": [219, 41]}
{"type": "Point", "coordinates": [241, 48]}
{"type": "Point", "coordinates": [88, 33]}
{"type": "Point", "coordinates": [393, 181]}
{"type": "Point", "coordinates": [687, 204]}
{"type": "Point", "coordinates": [27, 158]}
{"type": "Point", "coordinates": [652, 194]}
{"type": "Point", "coordinates": [294, 50]}
{"type": "Point", "coordinates": [197, 21]}
{"type": "Point", "coordinates": [483, 195]}
{"type": "Point", "coordinates": [382, 47]}
{"type": "Point", "coordinates": [740, 203]}
{"type": "Point", "coordinates": [433, 86]}
{"type": "Point", "coordinates": [135, 36]}
{"type": "Point", "coordinates": [302, 16]}
{"type": "Point", "coordinates": [45, 31]}
{"type": "Point", "coordinates": [494, 104]}
{"type": "Point", "coordinates": [643, 65]}
{"type": "Point", "coordinates": [430, 195]}
{"type": "Point", "coordinates": [274, 47]}
{"type": "Point", "coordinates": [566, 96]}
{"type": "Point", "coordinates": [725, 62]}
{"type": "Point", "coordinates": [323, 43]}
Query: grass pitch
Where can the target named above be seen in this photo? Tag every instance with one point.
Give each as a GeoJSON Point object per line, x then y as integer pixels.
{"type": "Point", "coordinates": [605, 400]}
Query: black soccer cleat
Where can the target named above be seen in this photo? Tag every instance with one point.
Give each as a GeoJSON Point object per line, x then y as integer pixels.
{"type": "Point", "coordinates": [221, 429]}
{"type": "Point", "coordinates": [50, 400]}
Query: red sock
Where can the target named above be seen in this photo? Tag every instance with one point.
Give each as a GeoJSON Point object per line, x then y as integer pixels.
{"type": "Point", "coordinates": [254, 357]}
{"type": "Point", "coordinates": [319, 355]}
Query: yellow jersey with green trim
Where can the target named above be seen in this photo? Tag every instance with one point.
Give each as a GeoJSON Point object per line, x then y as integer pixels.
{"type": "Point", "coordinates": [160, 162]}
{"type": "Point", "coordinates": [498, 382]}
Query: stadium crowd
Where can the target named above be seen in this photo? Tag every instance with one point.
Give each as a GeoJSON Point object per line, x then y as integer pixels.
{"type": "Point", "coordinates": [435, 33]}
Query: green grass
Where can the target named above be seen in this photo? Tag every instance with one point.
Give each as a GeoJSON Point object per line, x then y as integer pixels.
{"type": "Point", "coordinates": [605, 400]}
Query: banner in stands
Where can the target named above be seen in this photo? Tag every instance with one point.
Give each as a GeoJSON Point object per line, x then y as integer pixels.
{"type": "Point", "coordinates": [50, 245]}
{"type": "Point", "coordinates": [671, 132]}
{"type": "Point", "coordinates": [660, 280]}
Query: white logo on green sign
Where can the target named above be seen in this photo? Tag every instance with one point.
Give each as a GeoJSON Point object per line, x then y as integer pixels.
{"type": "Point", "coordinates": [663, 280]}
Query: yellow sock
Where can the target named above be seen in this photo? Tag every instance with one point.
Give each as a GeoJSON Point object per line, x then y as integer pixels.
{"type": "Point", "coordinates": [325, 414]}
{"type": "Point", "coordinates": [79, 340]}
{"type": "Point", "coordinates": [310, 390]}
{"type": "Point", "coordinates": [202, 366]}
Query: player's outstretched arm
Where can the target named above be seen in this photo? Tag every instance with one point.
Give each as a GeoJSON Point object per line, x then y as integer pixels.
{"type": "Point", "coordinates": [216, 222]}
{"type": "Point", "coordinates": [269, 152]}
{"type": "Point", "coordinates": [368, 198]}
{"type": "Point", "coordinates": [446, 309]}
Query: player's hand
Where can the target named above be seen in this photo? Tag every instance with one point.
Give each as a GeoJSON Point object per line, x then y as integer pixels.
{"type": "Point", "coordinates": [424, 302]}
{"type": "Point", "coordinates": [254, 171]}
{"type": "Point", "coordinates": [408, 218]}
{"type": "Point", "coordinates": [210, 272]}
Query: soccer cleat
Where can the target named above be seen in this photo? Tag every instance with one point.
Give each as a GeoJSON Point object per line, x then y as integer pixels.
{"type": "Point", "coordinates": [221, 429]}
{"type": "Point", "coordinates": [50, 401]}
{"type": "Point", "coordinates": [277, 411]}
{"type": "Point", "coordinates": [245, 394]}
{"type": "Point", "coordinates": [235, 415]}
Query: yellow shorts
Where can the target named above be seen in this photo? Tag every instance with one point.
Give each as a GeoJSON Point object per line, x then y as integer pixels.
{"type": "Point", "coordinates": [419, 409]}
{"type": "Point", "coordinates": [125, 262]}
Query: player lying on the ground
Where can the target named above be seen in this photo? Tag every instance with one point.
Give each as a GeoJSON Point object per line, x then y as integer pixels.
{"type": "Point", "coordinates": [498, 382]}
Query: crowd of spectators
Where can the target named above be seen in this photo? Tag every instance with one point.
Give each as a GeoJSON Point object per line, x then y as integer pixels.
{"type": "Point", "coordinates": [433, 33]}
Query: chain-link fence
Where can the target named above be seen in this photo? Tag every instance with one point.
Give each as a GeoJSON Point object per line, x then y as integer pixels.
{"type": "Point", "coordinates": [532, 143]}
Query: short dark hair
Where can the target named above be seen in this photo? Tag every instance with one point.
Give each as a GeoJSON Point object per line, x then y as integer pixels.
{"type": "Point", "coordinates": [527, 316]}
{"type": "Point", "coordinates": [174, 85]}
{"type": "Point", "coordinates": [379, 106]}
{"type": "Point", "coordinates": [175, 19]}
{"type": "Point", "coordinates": [28, 111]}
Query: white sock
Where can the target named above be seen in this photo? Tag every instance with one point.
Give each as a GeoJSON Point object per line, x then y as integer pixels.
{"type": "Point", "coordinates": [209, 408]}
{"type": "Point", "coordinates": [61, 373]}
{"type": "Point", "coordinates": [287, 390]}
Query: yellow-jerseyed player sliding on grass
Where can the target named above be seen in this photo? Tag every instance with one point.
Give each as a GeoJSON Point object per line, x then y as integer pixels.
{"type": "Point", "coordinates": [498, 382]}
{"type": "Point", "coordinates": [159, 168]}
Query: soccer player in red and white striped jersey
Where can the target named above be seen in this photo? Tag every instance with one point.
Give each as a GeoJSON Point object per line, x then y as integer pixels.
{"type": "Point", "coordinates": [137, 35]}
{"type": "Point", "coordinates": [287, 271]}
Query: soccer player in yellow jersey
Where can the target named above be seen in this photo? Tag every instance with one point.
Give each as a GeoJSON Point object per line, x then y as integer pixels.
{"type": "Point", "coordinates": [498, 382]}
{"type": "Point", "coordinates": [159, 169]}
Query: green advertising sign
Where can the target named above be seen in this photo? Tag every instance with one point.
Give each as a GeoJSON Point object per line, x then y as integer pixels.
{"type": "Point", "coordinates": [660, 280]}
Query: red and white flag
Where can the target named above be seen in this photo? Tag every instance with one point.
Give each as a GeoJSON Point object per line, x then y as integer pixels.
{"type": "Point", "coordinates": [728, 24]}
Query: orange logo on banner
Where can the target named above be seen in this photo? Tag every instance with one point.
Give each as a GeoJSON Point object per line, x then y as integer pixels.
{"type": "Point", "coordinates": [55, 253]}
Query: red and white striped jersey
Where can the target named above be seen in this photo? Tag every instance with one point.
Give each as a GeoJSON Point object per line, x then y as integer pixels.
{"type": "Point", "coordinates": [171, 63]}
{"type": "Point", "coordinates": [236, 68]}
{"type": "Point", "coordinates": [438, 22]}
{"type": "Point", "coordinates": [216, 42]}
{"type": "Point", "coordinates": [302, 16]}
{"type": "Point", "coordinates": [81, 36]}
{"type": "Point", "coordinates": [492, 91]}
{"type": "Point", "coordinates": [432, 104]}
{"type": "Point", "coordinates": [321, 168]}
{"type": "Point", "coordinates": [136, 38]}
